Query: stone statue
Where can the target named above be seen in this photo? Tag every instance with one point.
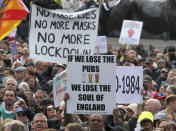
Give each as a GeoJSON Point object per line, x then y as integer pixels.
{"type": "Point", "coordinates": [158, 16]}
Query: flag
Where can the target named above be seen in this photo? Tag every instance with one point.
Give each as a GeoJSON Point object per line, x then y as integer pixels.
{"type": "Point", "coordinates": [12, 12]}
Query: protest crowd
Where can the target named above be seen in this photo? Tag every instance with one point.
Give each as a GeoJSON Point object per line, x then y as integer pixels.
{"type": "Point", "coordinates": [27, 97]}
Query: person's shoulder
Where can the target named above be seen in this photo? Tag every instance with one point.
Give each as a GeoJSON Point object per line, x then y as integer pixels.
{"type": "Point", "coordinates": [85, 128]}
{"type": "Point", "coordinates": [2, 111]}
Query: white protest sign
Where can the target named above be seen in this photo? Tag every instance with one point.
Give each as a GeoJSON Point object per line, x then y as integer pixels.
{"type": "Point", "coordinates": [90, 83]}
{"type": "Point", "coordinates": [131, 32]}
{"type": "Point", "coordinates": [54, 34]}
{"type": "Point", "coordinates": [101, 45]}
{"type": "Point", "coordinates": [129, 84]}
{"type": "Point", "coordinates": [59, 87]}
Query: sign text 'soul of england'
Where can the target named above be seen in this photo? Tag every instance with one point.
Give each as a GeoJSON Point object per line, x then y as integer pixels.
{"type": "Point", "coordinates": [94, 83]}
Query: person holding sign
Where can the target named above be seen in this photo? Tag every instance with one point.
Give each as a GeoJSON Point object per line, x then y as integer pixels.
{"type": "Point", "coordinates": [131, 57]}
{"type": "Point", "coordinates": [96, 121]}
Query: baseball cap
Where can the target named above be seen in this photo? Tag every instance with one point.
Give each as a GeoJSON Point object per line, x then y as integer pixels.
{"type": "Point", "coordinates": [19, 109]}
{"type": "Point", "coordinates": [122, 107]}
{"type": "Point", "coordinates": [61, 66]}
{"type": "Point", "coordinates": [21, 69]}
{"type": "Point", "coordinates": [146, 115]}
{"type": "Point", "coordinates": [147, 78]}
{"type": "Point", "coordinates": [149, 60]}
{"type": "Point", "coordinates": [161, 116]}
{"type": "Point", "coordinates": [164, 70]}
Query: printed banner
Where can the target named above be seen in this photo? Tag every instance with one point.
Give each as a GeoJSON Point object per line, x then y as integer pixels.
{"type": "Point", "coordinates": [56, 34]}
{"type": "Point", "coordinates": [59, 87]}
{"type": "Point", "coordinates": [131, 32]}
{"type": "Point", "coordinates": [12, 12]}
{"type": "Point", "coordinates": [129, 84]}
{"type": "Point", "coordinates": [90, 83]}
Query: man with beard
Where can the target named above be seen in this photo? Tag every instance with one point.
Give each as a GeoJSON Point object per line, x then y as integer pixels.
{"type": "Point", "coordinates": [1, 96]}
{"type": "Point", "coordinates": [96, 123]}
{"type": "Point", "coordinates": [9, 100]}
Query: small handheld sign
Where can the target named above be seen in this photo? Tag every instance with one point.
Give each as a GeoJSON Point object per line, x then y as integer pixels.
{"type": "Point", "coordinates": [131, 32]}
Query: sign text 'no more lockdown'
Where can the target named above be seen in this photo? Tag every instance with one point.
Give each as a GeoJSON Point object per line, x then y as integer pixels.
{"type": "Point", "coordinates": [56, 34]}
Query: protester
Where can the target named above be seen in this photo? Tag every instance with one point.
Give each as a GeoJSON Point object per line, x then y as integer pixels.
{"type": "Point", "coordinates": [73, 127]}
{"type": "Point", "coordinates": [53, 117]}
{"type": "Point", "coordinates": [14, 125]}
{"type": "Point", "coordinates": [146, 121]}
{"type": "Point", "coordinates": [9, 100]}
{"type": "Point", "coordinates": [171, 90]}
{"type": "Point", "coordinates": [21, 116]}
{"type": "Point", "coordinates": [40, 122]}
{"type": "Point", "coordinates": [31, 80]}
{"type": "Point", "coordinates": [10, 83]}
{"type": "Point", "coordinates": [152, 105]}
{"type": "Point", "coordinates": [38, 96]}
{"type": "Point", "coordinates": [20, 74]}
{"type": "Point", "coordinates": [1, 96]}
{"type": "Point", "coordinates": [170, 107]}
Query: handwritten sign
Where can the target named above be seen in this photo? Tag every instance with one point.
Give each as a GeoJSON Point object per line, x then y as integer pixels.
{"type": "Point", "coordinates": [55, 34]}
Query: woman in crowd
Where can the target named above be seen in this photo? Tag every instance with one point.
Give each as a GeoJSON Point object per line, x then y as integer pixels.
{"type": "Point", "coordinates": [32, 83]}
{"type": "Point", "coordinates": [53, 116]}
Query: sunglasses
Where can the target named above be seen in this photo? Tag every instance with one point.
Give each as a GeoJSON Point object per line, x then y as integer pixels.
{"type": "Point", "coordinates": [21, 114]}
{"type": "Point", "coordinates": [51, 108]}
